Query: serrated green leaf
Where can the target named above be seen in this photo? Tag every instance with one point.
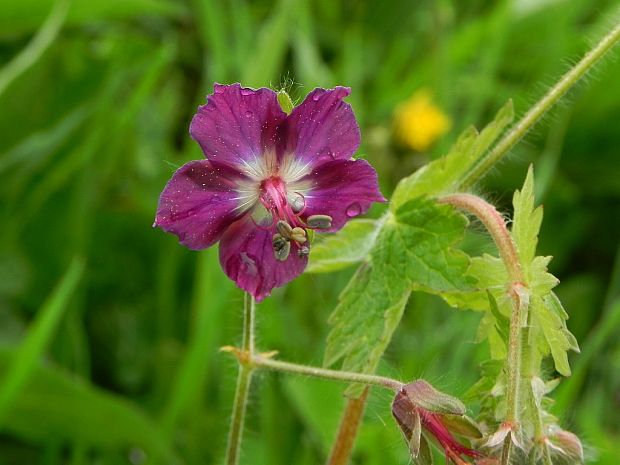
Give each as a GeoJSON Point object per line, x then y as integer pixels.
{"type": "Point", "coordinates": [489, 275]}
{"type": "Point", "coordinates": [526, 221]}
{"type": "Point", "coordinates": [548, 318]}
{"type": "Point", "coordinates": [359, 338]}
{"type": "Point", "coordinates": [443, 175]}
{"type": "Point", "coordinates": [552, 326]}
{"type": "Point", "coordinates": [413, 249]}
{"type": "Point", "coordinates": [346, 247]}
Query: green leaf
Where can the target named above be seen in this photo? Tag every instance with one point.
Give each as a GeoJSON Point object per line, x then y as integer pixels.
{"type": "Point", "coordinates": [526, 221]}
{"type": "Point", "coordinates": [444, 174]}
{"type": "Point", "coordinates": [359, 338]}
{"type": "Point", "coordinates": [549, 315]}
{"type": "Point", "coordinates": [548, 318]}
{"type": "Point", "coordinates": [346, 247]}
{"type": "Point", "coordinates": [413, 250]}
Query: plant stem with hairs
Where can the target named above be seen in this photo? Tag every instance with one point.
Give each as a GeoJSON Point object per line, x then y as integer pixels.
{"type": "Point", "coordinates": [519, 295]}
{"type": "Point", "coordinates": [347, 430]}
{"type": "Point", "coordinates": [243, 383]}
{"type": "Point", "coordinates": [528, 120]}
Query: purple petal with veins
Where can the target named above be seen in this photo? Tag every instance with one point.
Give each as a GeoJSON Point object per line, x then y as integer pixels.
{"type": "Point", "coordinates": [200, 202]}
{"type": "Point", "coordinates": [342, 189]}
{"type": "Point", "coordinates": [247, 258]}
{"type": "Point", "coordinates": [322, 128]}
{"type": "Point", "coordinates": [238, 125]}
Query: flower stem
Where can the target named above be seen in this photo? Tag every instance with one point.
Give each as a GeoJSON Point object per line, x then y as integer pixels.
{"type": "Point", "coordinates": [243, 383]}
{"type": "Point", "coordinates": [541, 107]}
{"type": "Point", "coordinates": [265, 361]}
{"type": "Point", "coordinates": [347, 430]}
{"type": "Point", "coordinates": [496, 226]}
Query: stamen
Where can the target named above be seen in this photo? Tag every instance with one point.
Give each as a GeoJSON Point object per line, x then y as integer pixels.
{"type": "Point", "coordinates": [281, 247]}
{"type": "Point", "coordinates": [298, 235]}
{"type": "Point", "coordinates": [319, 221]}
{"type": "Point", "coordinates": [284, 229]}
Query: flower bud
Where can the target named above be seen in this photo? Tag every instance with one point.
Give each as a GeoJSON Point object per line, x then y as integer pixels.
{"type": "Point", "coordinates": [422, 412]}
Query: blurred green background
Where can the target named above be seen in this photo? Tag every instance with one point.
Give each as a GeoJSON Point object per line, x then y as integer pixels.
{"type": "Point", "coordinates": [122, 365]}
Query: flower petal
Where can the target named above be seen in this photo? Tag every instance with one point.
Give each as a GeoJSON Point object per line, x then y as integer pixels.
{"type": "Point", "coordinates": [246, 255]}
{"type": "Point", "coordinates": [342, 189]}
{"type": "Point", "coordinates": [200, 201]}
{"type": "Point", "coordinates": [322, 128]}
{"type": "Point", "coordinates": [238, 126]}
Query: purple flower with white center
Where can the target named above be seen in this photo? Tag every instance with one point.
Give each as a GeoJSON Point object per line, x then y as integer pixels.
{"type": "Point", "coordinates": [267, 179]}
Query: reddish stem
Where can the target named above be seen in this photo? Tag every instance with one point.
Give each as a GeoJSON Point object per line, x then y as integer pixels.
{"type": "Point", "coordinates": [347, 431]}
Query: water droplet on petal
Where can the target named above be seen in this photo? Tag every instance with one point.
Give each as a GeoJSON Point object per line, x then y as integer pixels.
{"type": "Point", "coordinates": [326, 155]}
{"type": "Point", "coordinates": [248, 113]}
{"type": "Point", "coordinates": [354, 209]}
{"type": "Point", "coordinates": [246, 92]}
{"type": "Point", "coordinates": [316, 97]}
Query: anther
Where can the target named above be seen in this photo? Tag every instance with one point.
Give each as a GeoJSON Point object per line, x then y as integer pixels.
{"type": "Point", "coordinates": [298, 235]}
{"type": "Point", "coordinates": [281, 247]}
{"type": "Point", "coordinates": [284, 229]}
{"type": "Point", "coordinates": [319, 221]}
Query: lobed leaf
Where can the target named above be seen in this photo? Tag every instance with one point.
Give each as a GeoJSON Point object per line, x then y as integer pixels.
{"type": "Point", "coordinates": [413, 249]}
{"type": "Point", "coordinates": [346, 247]}
{"type": "Point", "coordinates": [548, 317]}
{"type": "Point", "coordinates": [526, 221]}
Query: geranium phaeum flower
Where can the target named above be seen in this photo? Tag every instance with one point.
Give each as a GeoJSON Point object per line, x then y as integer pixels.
{"type": "Point", "coordinates": [268, 178]}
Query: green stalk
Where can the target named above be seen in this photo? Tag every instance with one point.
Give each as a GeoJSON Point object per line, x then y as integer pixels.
{"type": "Point", "coordinates": [496, 226]}
{"type": "Point", "coordinates": [541, 107]}
{"type": "Point", "coordinates": [265, 361]}
{"type": "Point", "coordinates": [243, 383]}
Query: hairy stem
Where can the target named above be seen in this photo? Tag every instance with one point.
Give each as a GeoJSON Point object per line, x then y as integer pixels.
{"type": "Point", "coordinates": [347, 430]}
{"type": "Point", "coordinates": [243, 383]}
{"type": "Point", "coordinates": [533, 371]}
{"type": "Point", "coordinates": [541, 107]}
{"type": "Point", "coordinates": [266, 361]}
{"type": "Point", "coordinates": [496, 226]}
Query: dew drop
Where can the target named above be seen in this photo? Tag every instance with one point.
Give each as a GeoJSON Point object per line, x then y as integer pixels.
{"type": "Point", "coordinates": [326, 155]}
{"type": "Point", "coordinates": [246, 92]}
{"type": "Point", "coordinates": [316, 97]}
{"type": "Point", "coordinates": [248, 114]}
{"type": "Point", "coordinates": [354, 209]}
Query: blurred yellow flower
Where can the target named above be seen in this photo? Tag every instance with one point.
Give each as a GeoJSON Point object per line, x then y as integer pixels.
{"type": "Point", "coordinates": [418, 122]}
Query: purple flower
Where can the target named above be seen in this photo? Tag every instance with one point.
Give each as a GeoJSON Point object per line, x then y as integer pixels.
{"type": "Point", "coordinates": [267, 179]}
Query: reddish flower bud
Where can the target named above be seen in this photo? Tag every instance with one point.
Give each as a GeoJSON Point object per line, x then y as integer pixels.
{"type": "Point", "coordinates": [424, 413]}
